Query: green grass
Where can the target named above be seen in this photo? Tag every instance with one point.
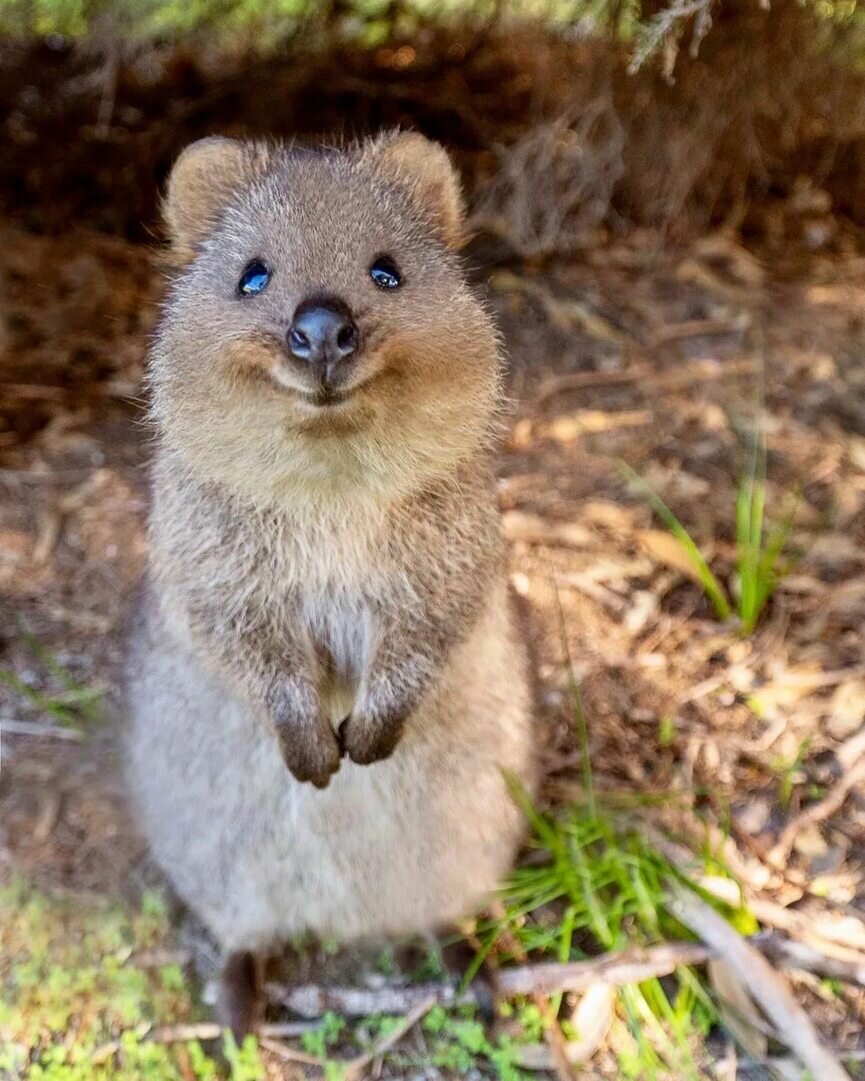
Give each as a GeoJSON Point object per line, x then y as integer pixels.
{"type": "Point", "coordinates": [70, 984]}
{"type": "Point", "coordinates": [593, 883]}
{"type": "Point", "coordinates": [759, 546]}
{"type": "Point", "coordinates": [72, 704]}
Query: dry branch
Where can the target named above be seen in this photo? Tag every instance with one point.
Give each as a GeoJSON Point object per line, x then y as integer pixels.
{"type": "Point", "coordinates": [42, 731]}
{"type": "Point", "coordinates": [289, 1054]}
{"type": "Point", "coordinates": [763, 982]}
{"type": "Point", "coordinates": [817, 812]}
{"type": "Point", "coordinates": [614, 969]}
{"type": "Point", "coordinates": [202, 1030]}
{"type": "Point", "coordinates": [355, 1068]}
{"type": "Point", "coordinates": [696, 371]}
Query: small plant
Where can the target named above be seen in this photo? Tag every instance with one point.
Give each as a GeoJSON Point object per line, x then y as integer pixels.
{"type": "Point", "coordinates": [71, 704]}
{"type": "Point", "coordinates": [322, 1040]}
{"type": "Point", "coordinates": [75, 1005]}
{"type": "Point", "coordinates": [788, 771]}
{"type": "Point", "coordinates": [758, 549]}
{"type": "Point", "coordinates": [594, 883]}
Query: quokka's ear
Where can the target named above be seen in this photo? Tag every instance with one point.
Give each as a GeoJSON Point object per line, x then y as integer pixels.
{"type": "Point", "coordinates": [203, 182]}
{"type": "Point", "coordinates": [425, 169]}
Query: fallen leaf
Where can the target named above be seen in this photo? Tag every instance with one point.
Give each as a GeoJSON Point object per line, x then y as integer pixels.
{"type": "Point", "coordinates": [663, 548]}
{"type": "Point", "coordinates": [591, 1020]}
{"type": "Point", "coordinates": [737, 1008]}
{"type": "Point", "coordinates": [846, 709]}
{"type": "Point", "coordinates": [569, 427]}
{"type": "Point", "coordinates": [532, 529]}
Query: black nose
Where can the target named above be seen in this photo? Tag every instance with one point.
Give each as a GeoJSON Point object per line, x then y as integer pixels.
{"type": "Point", "coordinates": [323, 335]}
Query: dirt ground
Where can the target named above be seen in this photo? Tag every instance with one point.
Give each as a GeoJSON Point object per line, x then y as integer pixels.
{"type": "Point", "coordinates": [663, 358]}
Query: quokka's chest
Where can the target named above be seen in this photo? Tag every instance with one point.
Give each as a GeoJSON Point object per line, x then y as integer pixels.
{"type": "Point", "coordinates": [340, 629]}
{"type": "Point", "coordinates": [337, 601]}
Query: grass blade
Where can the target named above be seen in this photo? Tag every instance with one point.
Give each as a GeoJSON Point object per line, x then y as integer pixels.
{"type": "Point", "coordinates": [579, 712]}
{"type": "Point", "coordinates": [711, 586]}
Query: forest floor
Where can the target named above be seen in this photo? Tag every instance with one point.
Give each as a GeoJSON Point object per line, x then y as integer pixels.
{"type": "Point", "coordinates": [668, 359]}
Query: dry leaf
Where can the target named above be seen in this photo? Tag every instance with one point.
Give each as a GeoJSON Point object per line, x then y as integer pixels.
{"type": "Point", "coordinates": [570, 426]}
{"type": "Point", "coordinates": [663, 548]}
{"type": "Point", "coordinates": [591, 1019]}
{"type": "Point", "coordinates": [847, 709]}
{"type": "Point", "coordinates": [740, 1015]}
{"type": "Point", "coordinates": [642, 608]}
{"type": "Point", "coordinates": [532, 529]}
{"type": "Point", "coordinates": [611, 515]}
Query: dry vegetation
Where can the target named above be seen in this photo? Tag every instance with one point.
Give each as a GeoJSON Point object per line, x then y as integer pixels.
{"type": "Point", "coordinates": [677, 269]}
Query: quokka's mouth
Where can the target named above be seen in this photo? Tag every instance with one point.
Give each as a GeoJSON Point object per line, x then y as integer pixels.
{"type": "Point", "coordinates": [321, 397]}
{"type": "Point", "coordinates": [324, 399]}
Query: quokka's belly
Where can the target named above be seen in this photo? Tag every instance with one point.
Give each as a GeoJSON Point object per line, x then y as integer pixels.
{"type": "Point", "coordinates": [401, 845]}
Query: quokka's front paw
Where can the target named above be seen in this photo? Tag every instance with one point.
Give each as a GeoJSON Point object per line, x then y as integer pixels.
{"type": "Point", "coordinates": [369, 736]}
{"type": "Point", "coordinates": [307, 742]}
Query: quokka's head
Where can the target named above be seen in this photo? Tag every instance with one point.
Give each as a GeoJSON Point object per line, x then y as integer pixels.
{"type": "Point", "coordinates": [320, 333]}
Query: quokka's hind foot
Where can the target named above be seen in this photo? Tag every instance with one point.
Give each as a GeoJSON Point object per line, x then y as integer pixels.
{"type": "Point", "coordinates": [239, 1004]}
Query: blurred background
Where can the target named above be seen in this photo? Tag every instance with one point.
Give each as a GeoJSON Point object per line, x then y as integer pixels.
{"type": "Point", "coordinates": [667, 216]}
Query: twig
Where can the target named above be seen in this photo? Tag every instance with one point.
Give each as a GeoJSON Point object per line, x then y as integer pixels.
{"type": "Point", "coordinates": [289, 1054]}
{"type": "Point", "coordinates": [355, 1068]}
{"type": "Point", "coordinates": [642, 373]}
{"type": "Point", "coordinates": [586, 380]}
{"type": "Point", "coordinates": [817, 812]}
{"type": "Point", "coordinates": [764, 984]}
{"type": "Point", "coordinates": [799, 955]}
{"type": "Point", "coordinates": [618, 969]}
{"type": "Point", "coordinates": [204, 1030]}
{"type": "Point", "coordinates": [844, 940]}
{"type": "Point", "coordinates": [312, 1000]}
{"type": "Point", "coordinates": [615, 969]}
{"type": "Point", "coordinates": [698, 328]}
{"type": "Point", "coordinates": [553, 1036]}
{"type": "Point", "coordinates": [31, 728]}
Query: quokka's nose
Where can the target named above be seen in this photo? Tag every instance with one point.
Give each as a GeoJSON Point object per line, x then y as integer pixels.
{"type": "Point", "coordinates": [322, 334]}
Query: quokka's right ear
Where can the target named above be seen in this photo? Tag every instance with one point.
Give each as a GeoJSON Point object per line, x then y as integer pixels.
{"type": "Point", "coordinates": [204, 180]}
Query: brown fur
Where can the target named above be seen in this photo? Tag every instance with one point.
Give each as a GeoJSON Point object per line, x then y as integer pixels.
{"type": "Point", "coordinates": [325, 581]}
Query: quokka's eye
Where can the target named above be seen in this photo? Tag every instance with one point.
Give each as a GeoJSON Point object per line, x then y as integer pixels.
{"type": "Point", "coordinates": [253, 280]}
{"type": "Point", "coordinates": [384, 273]}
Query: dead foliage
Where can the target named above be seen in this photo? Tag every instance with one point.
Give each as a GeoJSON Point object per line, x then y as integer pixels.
{"type": "Point", "coordinates": [763, 127]}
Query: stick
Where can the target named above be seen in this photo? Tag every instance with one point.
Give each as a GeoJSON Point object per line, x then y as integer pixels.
{"type": "Point", "coordinates": [615, 969]}
{"type": "Point", "coordinates": [641, 373]}
{"type": "Point", "coordinates": [618, 969]}
{"type": "Point", "coordinates": [204, 1030]}
{"type": "Point", "coordinates": [845, 941]}
{"type": "Point", "coordinates": [764, 984]}
{"type": "Point", "coordinates": [289, 1054]}
{"type": "Point", "coordinates": [805, 958]}
{"type": "Point", "coordinates": [698, 328]}
{"type": "Point", "coordinates": [355, 1068]}
{"type": "Point", "coordinates": [817, 812]}
{"type": "Point", "coordinates": [32, 728]}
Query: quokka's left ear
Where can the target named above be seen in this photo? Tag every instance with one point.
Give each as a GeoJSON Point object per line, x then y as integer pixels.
{"type": "Point", "coordinates": [424, 168]}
